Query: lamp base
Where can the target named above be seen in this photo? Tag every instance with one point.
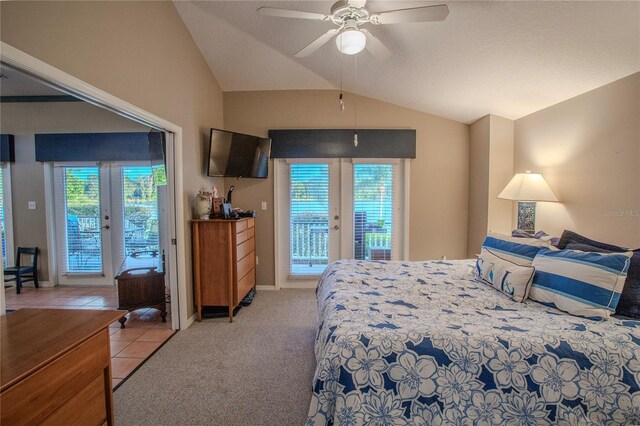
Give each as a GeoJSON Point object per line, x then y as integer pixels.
{"type": "Point", "coordinates": [527, 216]}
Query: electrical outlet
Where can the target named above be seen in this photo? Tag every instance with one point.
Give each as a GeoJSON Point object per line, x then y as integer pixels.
{"type": "Point", "coordinates": [443, 257]}
{"type": "Point", "coordinates": [264, 205]}
{"type": "Point", "coordinates": [31, 205]}
{"type": "Point", "coordinates": [257, 260]}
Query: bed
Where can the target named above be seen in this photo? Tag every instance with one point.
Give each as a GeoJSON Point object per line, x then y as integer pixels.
{"type": "Point", "coordinates": [419, 343]}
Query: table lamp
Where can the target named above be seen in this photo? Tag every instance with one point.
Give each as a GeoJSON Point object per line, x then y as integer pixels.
{"type": "Point", "coordinates": [527, 188]}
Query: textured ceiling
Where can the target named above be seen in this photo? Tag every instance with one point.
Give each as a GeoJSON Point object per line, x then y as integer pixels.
{"type": "Point", "coordinates": [503, 58]}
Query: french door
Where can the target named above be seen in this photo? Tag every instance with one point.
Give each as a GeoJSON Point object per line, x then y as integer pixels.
{"type": "Point", "coordinates": [103, 213]}
{"type": "Point", "coordinates": [336, 209]}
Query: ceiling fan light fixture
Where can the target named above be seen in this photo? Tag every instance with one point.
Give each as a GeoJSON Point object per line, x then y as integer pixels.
{"type": "Point", "coordinates": [351, 41]}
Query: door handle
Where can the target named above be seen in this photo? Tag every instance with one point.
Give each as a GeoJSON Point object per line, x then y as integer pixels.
{"type": "Point", "coordinates": [105, 227]}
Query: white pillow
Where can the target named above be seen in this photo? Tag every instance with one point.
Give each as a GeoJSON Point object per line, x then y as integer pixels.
{"type": "Point", "coordinates": [520, 251]}
{"type": "Point", "coordinates": [511, 279]}
{"type": "Point", "coordinates": [586, 284]}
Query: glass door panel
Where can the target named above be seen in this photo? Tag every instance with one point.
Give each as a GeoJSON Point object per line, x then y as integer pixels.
{"type": "Point", "coordinates": [2, 222]}
{"type": "Point", "coordinates": [81, 187]}
{"type": "Point", "coordinates": [140, 209]}
{"type": "Point", "coordinates": [83, 223]}
{"type": "Point", "coordinates": [309, 186]}
{"type": "Point", "coordinates": [373, 211]}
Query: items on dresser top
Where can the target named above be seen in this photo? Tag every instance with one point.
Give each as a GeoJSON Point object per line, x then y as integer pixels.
{"type": "Point", "coordinates": [56, 367]}
{"type": "Point", "coordinates": [224, 262]}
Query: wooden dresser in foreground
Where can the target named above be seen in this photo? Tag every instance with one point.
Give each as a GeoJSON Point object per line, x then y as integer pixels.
{"type": "Point", "coordinates": [224, 262]}
{"type": "Point", "coordinates": [56, 367]}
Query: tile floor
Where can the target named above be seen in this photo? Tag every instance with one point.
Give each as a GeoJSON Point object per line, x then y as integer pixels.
{"type": "Point", "coordinates": [130, 347]}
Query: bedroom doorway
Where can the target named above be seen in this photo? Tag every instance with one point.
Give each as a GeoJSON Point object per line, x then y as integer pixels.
{"type": "Point", "coordinates": [331, 209]}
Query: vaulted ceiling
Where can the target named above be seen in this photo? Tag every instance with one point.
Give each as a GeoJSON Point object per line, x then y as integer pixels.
{"type": "Point", "coordinates": [504, 58]}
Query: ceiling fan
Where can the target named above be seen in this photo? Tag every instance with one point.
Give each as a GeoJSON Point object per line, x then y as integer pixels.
{"type": "Point", "coordinates": [349, 16]}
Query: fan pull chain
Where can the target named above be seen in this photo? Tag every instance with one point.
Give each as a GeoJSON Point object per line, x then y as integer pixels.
{"type": "Point", "coordinates": [341, 101]}
{"type": "Point", "coordinates": [355, 103]}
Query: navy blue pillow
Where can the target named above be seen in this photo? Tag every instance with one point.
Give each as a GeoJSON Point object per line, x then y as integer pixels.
{"type": "Point", "coordinates": [629, 304]}
{"type": "Point", "coordinates": [587, 247]}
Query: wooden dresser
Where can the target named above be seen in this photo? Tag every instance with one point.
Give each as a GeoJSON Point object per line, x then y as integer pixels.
{"type": "Point", "coordinates": [224, 262]}
{"type": "Point", "coordinates": [56, 367]}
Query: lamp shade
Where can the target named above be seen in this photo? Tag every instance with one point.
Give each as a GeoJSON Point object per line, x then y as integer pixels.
{"type": "Point", "coordinates": [527, 187]}
{"type": "Point", "coordinates": [351, 41]}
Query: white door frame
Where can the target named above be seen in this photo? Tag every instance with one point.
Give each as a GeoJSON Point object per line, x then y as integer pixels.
{"type": "Point", "coordinates": [8, 213]}
{"type": "Point", "coordinates": [346, 247]}
{"type": "Point", "coordinates": [91, 94]}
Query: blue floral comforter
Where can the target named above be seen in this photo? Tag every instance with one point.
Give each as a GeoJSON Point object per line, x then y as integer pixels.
{"type": "Point", "coordinates": [419, 343]}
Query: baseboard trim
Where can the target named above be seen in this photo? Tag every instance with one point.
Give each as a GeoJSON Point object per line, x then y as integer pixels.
{"type": "Point", "coordinates": [29, 284]}
{"type": "Point", "coordinates": [265, 287]}
{"type": "Point", "coordinates": [301, 285]}
{"type": "Point", "coordinates": [190, 321]}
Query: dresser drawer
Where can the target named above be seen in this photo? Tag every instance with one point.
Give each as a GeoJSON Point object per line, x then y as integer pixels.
{"type": "Point", "coordinates": [31, 400]}
{"type": "Point", "coordinates": [251, 232]}
{"type": "Point", "coordinates": [88, 407]}
{"type": "Point", "coordinates": [246, 264]}
{"type": "Point", "coordinates": [250, 222]}
{"type": "Point", "coordinates": [242, 237]}
{"type": "Point", "coordinates": [245, 248]}
{"type": "Point", "coordinates": [241, 226]}
{"type": "Point", "coordinates": [245, 284]}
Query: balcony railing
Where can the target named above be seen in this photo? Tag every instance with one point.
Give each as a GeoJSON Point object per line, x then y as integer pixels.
{"type": "Point", "coordinates": [310, 240]}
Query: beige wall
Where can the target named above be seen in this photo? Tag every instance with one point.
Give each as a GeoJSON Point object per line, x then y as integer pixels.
{"type": "Point", "coordinates": [588, 150]}
{"type": "Point", "coordinates": [24, 120]}
{"type": "Point", "coordinates": [501, 172]}
{"type": "Point", "coordinates": [137, 50]}
{"type": "Point", "coordinates": [479, 143]}
{"type": "Point", "coordinates": [439, 174]}
{"type": "Point", "coordinates": [491, 142]}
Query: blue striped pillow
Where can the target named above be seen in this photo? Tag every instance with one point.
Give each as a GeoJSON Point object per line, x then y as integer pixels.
{"type": "Point", "coordinates": [520, 251]}
{"type": "Point", "coordinates": [580, 283]}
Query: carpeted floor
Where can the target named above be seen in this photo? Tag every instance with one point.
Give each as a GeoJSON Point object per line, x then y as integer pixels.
{"type": "Point", "coordinates": [256, 371]}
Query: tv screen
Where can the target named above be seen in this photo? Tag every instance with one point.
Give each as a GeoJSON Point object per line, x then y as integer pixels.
{"type": "Point", "coordinates": [238, 155]}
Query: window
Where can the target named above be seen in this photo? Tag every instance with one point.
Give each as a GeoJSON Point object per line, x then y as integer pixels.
{"type": "Point", "coordinates": [373, 195]}
{"type": "Point", "coordinates": [81, 190]}
{"type": "Point", "coordinates": [140, 205]}
{"type": "Point", "coordinates": [309, 218]}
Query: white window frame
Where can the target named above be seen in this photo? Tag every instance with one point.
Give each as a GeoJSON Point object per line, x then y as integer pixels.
{"type": "Point", "coordinates": [60, 224]}
{"type": "Point", "coordinates": [400, 204]}
{"type": "Point", "coordinates": [280, 203]}
{"type": "Point", "coordinates": [8, 213]}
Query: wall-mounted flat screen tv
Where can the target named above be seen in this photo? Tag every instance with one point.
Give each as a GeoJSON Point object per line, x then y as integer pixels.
{"type": "Point", "coordinates": [238, 155]}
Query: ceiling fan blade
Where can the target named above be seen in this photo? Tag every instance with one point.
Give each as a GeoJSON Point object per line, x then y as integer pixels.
{"type": "Point", "coordinates": [375, 46]}
{"type": "Point", "coordinates": [317, 43]}
{"type": "Point", "coordinates": [286, 13]}
{"type": "Point", "coordinates": [416, 14]}
{"type": "Point", "coordinates": [356, 3]}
